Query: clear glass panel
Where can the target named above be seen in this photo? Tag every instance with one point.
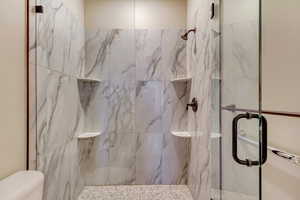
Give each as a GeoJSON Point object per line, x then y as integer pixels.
{"type": "Point", "coordinates": [240, 89]}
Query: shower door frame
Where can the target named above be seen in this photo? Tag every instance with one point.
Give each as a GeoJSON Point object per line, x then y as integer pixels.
{"type": "Point", "coordinates": [31, 109]}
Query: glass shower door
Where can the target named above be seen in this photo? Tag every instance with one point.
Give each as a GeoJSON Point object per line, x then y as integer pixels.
{"type": "Point", "coordinates": [243, 127]}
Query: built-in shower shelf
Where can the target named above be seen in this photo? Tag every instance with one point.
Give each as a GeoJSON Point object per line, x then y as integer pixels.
{"type": "Point", "coordinates": [88, 135]}
{"type": "Point", "coordinates": [216, 78]}
{"type": "Point", "coordinates": [215, 135]}
{"type": "Point", "coordinates": [182, 79]}
{"type": "Point", "coordinates": [182, 134]}
{"type": "Point", "coordinates": [186, 134]}
{"type": "Point", "coordinates": [89, 80]}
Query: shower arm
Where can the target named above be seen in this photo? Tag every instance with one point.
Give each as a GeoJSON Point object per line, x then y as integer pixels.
{"type": "Point", "coordinates": [185, 35]}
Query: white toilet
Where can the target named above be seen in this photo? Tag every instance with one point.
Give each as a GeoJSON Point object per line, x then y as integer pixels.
{"type": "Point", "coordinates": [23, 185]}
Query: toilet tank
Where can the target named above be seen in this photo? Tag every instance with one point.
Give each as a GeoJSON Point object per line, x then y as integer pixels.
{"type": "Point", "coordinates": [23, 185]}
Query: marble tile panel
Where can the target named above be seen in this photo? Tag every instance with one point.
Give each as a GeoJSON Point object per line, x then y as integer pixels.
{"type": "Point", "coordinates": [149, 159]}
{"type": "Point", "coordinates": [110, 54]}
{"type": "Point", "coordinates": [62, 172]}
{"type": "Point", "coordinates": [57, 99]}
{"type": "Point", "coordinates": [148, 103]}
{"type": "Point", "coordinates": [202, 65]}
{"type": "Point", "coordinates": [109, 159]}
{"type": "Point", "coordinates": [97, 48]}
{"type": "Point", "coordinates": [174, 54]}
{"type": "Point", "coordinates": [110, 106]}
{"type": "Point", "coordinates": [60, 39]}
{"type": "Point", "coordinates": [176, 158]}
{"type": "Point", "coordinates": [122, 56]}
{"type": "Point", "coordinates": [174, 113]}
{"type": "Point", "coordinates": [149, 65]}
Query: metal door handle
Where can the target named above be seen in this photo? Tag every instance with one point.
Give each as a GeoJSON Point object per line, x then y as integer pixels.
{"type": "Point", "coordinates": [264, 137]}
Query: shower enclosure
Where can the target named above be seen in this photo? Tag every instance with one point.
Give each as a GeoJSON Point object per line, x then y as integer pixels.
{"type": "Point", "coordinates": [112, 82]}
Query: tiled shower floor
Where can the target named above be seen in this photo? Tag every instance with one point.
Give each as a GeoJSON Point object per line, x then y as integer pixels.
{"type": "Point", "coordinates": [136, 192]}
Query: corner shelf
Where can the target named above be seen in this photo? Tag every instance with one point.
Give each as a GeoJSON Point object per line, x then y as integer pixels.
{"type": "Point", "coordinates": [182, 79]}
{"type": "Point", "coordinates": [186, 134]}
{"type": "Point", "coordinates": [89, 80]}
{"type": "Point", "coordinates": [182, 134]}
{"type": "Point", "coordinates": [88, 135]}
{"type": "Point", "coordinates": [216, 78]}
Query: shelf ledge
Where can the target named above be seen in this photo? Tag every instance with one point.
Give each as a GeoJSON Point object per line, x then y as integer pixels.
{"type": "Point", "coordinates": [182, 134]}
{"type": "Point", "coordinates": [183, 79]}
{"type": "Point", "coordinates": [186, 134]}
{"type": "Point", "coordinates": [89, 80]}
{"type": "Point", "coordinates": [88, 135]}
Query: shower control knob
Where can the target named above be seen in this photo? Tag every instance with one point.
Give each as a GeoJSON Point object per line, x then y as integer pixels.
{"type": "Point", "coordinates": [194, 105]}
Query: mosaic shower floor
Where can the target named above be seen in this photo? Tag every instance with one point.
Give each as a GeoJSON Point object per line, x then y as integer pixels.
{"type": "Point", "coordinates": [136, 192]}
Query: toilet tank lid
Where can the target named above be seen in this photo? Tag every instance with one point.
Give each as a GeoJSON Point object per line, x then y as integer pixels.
{"type": "Point", "coordinates": [20, 184]}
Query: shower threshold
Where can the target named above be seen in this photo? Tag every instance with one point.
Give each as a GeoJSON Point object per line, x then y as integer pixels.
{"type": "Point", "coordinates": [136, 192]}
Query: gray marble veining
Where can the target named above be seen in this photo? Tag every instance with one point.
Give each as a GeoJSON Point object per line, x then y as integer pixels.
{"type": "Point", "coordinates": [160, 54]}
{"type": "Point", "coordinates": [149, 106]}
{"type": "Point", "coordinates": [203, 62]}
{"type": "Point", "coordinates": [174, 54]}
{"type": "Point", "coordinates": [60, 38]}
{"type": "Point", "coordinates": [58, 55]}
{"type": "Point", "coordinates": [110, 54]}
{"type": "Point", "coordinates": [132, 101]}
{"type": "Point", "coordinates": [58, 154]}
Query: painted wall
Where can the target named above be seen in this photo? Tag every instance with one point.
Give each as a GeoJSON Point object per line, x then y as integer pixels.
{"type": "Point", "coordinates": [281, 46]}
{"type": "Point", "coordinates": [12, 87]}
{"type": "Point", "coordinates": [139, 14]}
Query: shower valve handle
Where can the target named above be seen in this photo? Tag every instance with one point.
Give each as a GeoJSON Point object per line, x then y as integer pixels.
{"type": "Point", "coordinates": [194, 105]}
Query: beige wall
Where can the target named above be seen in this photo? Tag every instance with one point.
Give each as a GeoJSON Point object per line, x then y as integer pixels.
{"type": "Point", "coordinates": [12, 87]}
{"type": "Point", "coordinates": [139, 14]}
{"type": "Point", "coordinates": [281, 91]}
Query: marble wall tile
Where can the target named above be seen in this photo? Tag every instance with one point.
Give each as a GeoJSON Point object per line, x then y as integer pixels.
{"type": "Point", "coordinates": [110, 54]}
{"type": "Point", "coordinates": [109, 159]}
{"type": "Point", "coordinates": [57, 150]}
{"type": "Point", "coordinates": [122, 158]}
{"type": "Point", "coordinates": [160, 54]}
{"type": "Point", "coordinates": [110, 108]}
{"type": "Point", "coordinates": [174, 99]}
{"type": "Point", "coordinates": [123, 66]}
{"type": "Point", "coordinates": [149, 159]}
{"type": "Point", "coordinates": [149, 65]}
{"type": "Point", "coordinates": [60, 38]}
{"type": "Point", "coordinates": [62, 172]}
{"type": "Point", "coordinates": [174, 54]}
{"type": "Point", "coordinates": [176, 158]}
{"type": "Point", "coordinates": [202, 60]}
{"type": "Point", "coordinates": [148, 113]}
{"type": "Point", "coordinates": [97, 47]}
{"type": "Point", "coordinates": [94, 160]}
{"type": "Point", "coordinates": [58, 99]}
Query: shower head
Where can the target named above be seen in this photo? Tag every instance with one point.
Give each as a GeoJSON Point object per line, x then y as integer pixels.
{"type": "Point", "coordinates": [185, 36]}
